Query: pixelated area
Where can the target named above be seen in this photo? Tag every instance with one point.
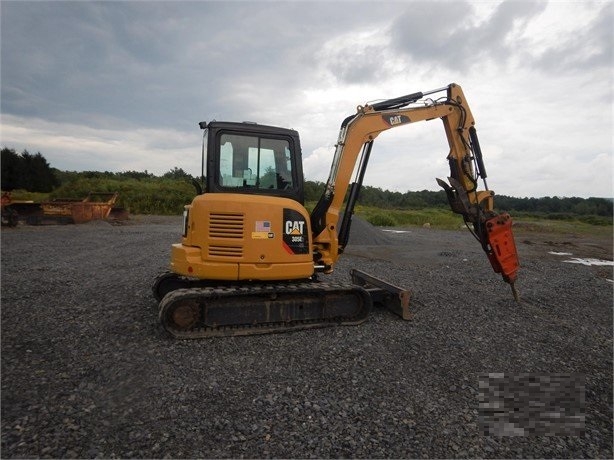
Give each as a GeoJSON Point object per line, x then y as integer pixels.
{"type": "Point", "coordinates": [531, 404]}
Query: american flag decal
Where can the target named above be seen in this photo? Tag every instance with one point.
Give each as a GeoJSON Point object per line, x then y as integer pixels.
{"type": "Point", "coordinates": [263, 226]}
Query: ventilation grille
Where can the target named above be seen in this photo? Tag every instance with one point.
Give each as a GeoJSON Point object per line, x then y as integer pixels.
{"type": "Point", "coordinates": [226, 226]}
{"type": "Point", "coordinates": [226, 251]}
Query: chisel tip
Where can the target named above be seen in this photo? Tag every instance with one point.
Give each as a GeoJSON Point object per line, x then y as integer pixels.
{"type": "Point", "coordinates": [515, 292]}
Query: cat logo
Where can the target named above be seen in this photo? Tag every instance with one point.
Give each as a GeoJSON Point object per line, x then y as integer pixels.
{"type": "Point", "coordinates": [295, 237]}
{"type": "Point", "coordinates": [395, 120]}
{"type": "Point", "coordinates": [294, 227]}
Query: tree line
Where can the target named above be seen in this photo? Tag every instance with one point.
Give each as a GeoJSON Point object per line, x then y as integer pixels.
{"type": "Point", "coordinates": [26, 171]}
{"type": "Point", "coordinates": [385, 199]}
{"type": "Point", "coordinates": [32, 172]}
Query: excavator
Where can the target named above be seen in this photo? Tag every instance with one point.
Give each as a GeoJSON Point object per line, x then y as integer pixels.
{"type": "Point", "coordinates": [251, 254]}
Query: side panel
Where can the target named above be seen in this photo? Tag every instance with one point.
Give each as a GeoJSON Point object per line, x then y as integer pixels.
{"type": "Point", "coordinates": [237, 236]}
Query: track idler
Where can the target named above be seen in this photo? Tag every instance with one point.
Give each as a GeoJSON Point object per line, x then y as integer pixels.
{"type": "Point", "coordinates": [168, 282]}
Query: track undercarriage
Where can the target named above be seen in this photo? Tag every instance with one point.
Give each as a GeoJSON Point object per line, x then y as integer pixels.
{"type": "Point", "coordinates": [191, 308]}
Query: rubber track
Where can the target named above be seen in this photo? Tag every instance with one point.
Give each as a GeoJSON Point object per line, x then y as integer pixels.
{"type": "Point", "coordinates": [298, 291]}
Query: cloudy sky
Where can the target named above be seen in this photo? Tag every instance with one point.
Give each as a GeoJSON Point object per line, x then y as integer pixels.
{"type": "Point", "coordinates": [122, 85]}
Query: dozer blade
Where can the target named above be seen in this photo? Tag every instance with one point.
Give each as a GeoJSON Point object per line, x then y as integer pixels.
{"type": "Point", "coordinates": [202, 312]}
{"type": "Point", "coordinates": [390, 296]}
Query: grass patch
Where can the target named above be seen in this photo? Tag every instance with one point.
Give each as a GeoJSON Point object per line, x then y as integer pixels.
{"type": "Point", "coordinates": [24, 195]}
{"type": "Point", "coordinates": [524, 223]}
{"type": "Point", "coordinates": [160, 196]}
{"type": "Point", "coordinates": [137, 196]}
{"type": "Point", "coordinates": [527, 224]}
{"type": "Point", "coordinates": [434, 217]}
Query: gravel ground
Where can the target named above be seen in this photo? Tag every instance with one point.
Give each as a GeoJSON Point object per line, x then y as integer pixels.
{"type": "Point", "coordinates": [87, 371]}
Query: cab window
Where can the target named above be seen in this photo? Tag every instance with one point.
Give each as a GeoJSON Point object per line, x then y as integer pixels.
{"type": "Point", "coordinates": [254, 162]}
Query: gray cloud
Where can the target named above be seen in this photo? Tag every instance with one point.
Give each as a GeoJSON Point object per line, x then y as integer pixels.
{"type": "Point", "coordinates": [116, 81]}
{"type": "Point", "coordinates": [119, 60]}
{"type": "Point", "coordinates": [585, 49]}
{"type": "Point", "coordinates": [448, 34]}
{"type": "Point", "coordinates": [426, 29]}
{"type": "Point", "coordinates": [156, 62]}
{"type": "Point", "coordinates": [433, 34]}
{"type": "Point", "coordinates": [79, 57]}
{"type": "Point", "coordinates": [354, 64]}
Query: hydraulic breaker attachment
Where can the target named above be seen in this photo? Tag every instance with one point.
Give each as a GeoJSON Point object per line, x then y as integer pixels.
{"type": "Point", "coordinates": [501, 248]}
{"type": "Point", "coordinates": [493, 231]}
{"type": "Point", "coordinates": [390, 296]}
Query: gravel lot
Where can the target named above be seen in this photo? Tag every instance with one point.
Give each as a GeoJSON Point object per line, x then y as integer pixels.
{"type": "Point", "coordinates": [87, 372]}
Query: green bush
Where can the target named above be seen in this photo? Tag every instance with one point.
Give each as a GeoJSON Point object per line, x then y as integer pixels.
{"type": "Point", "coordinates": [435, 217]}
{"type": "Point", "coordinates": [137, 196]}
{"type": "Point", "coordinates": [596, 220]}
{"type": "Point", "coordinates": [382, 220]}
{"type": "Point", "coordinates": [559, 216]}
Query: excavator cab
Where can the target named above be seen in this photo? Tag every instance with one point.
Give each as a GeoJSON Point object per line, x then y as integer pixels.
{"type": "Point", "coordinates": [252, 159]}
{"type": "Point", "coordinates": [250, 223]}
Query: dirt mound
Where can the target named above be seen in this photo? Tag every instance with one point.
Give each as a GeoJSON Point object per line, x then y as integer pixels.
{"type": "Point", "coordinates": [362, 233]}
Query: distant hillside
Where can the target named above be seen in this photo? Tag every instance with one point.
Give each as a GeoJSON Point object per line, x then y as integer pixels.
{"type": "Point", "coordinates": [142, 192]}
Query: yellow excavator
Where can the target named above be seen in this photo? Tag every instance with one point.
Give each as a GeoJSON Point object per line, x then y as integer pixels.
{"type": "Point", "coordinates": [250, 255]}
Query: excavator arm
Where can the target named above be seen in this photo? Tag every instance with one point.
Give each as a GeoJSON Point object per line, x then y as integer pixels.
{"type": "Point", "coordinates": [356, 136]}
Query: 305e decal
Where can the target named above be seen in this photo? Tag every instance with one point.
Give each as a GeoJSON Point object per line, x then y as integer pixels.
{"type": "Point", "coordinates": [296, 240]}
